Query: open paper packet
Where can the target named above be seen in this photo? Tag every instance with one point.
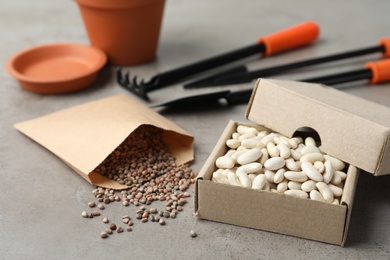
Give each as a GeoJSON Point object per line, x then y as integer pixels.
{"type": "Point", "coordinates": [85, 135]}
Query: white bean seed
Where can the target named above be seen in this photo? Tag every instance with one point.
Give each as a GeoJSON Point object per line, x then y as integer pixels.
{"type": "Point", "coordinates": [297, 193]}
{"type": "Point", "coordinates": [311, 171]}
{"type": "Point", "coordinates": [328, 175]}
{"type": "Point", "coordinates": [325, 191]}
{"type": "Point", "coordinates": [259, 182]}
{"type": "Point", "coordinates": [295, 176]}
{"type": "Point", "coordinates": [310, 149]}
{"type": "Point", "coordinates": [246, 136]}
{"type": "Point", "coordinates": [312, 157]}
{"type": "Point", "coordinates": [244, 179]}
{"type": "Point", "coordinates": [249, 156]}
{"type": "Point", "coordinates": [219, 178]}
{"type": "Point", "coordinates": [273, 151]}
{"type": "Point", "coordinates": [279, 176]}
{"type": "Point", "coordinates": [337, 191]}
{"type": "Point", "coordinates": [336, 179]}
{"type": "Point", "coordinates": [310, 141]}
{"type": "Point", "coordinates": [308, 186]}
{"type": "Point", "coordinates": [268, 138]}
{"type": "Point", "coordinates": [252, 143]}
{"type": "Point", "coordinates": [233, 179]}
{"type": "Point", "coordinates": [233, 143]}
{"type": "Point", "coordinates": [282, 187]}
{"type": "Point", "coordinates": [225, 162]}
{"type": "Point", "coordinates": [336, 163]}
{"type": "Point", "coordinates": [284, 150]}
{"type": "Point", "coordinates": [241, 129]}
{"type": "Point", "coordinates": [254, 167]}
{"type": "Point", "coordinates": [270, 175]}
{"type": "Point", "coordinates": [274, 163]}
{"type": "Point", "coordinates": [265, 156]}
{"type": "Point", "coordinates": [292, 165]}
{"type": "Point", "coordinates": [342, 174]}
{"type": "Point", "coordinates": [319, 166]}
{"type": "Point", "coordinates": [294, 185]}
{"type": "Point", "coordinates": [316, 195]}
{"type": "Point", "coordinates": [296, 155]}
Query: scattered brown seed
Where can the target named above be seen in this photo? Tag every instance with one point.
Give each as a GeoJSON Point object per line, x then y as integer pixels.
{"type": "Point", "coordinates": [144, 220]}
{"type": "Point", "coordinates": [130, 223]}
{"type": "Point", "coordinates": [84, 214]}
{"type": "Point", "coordinates": [161, 222]}
{"type": "Point", "coordinates": [101, 206]}
{"type": "Point", "coordinates": [109, 231]}
{"type": "Point", "coordinates": [91, 204]}
{"type": "Point", "coordinates": [105, 220]}
{"type": "Point", "coordinates": [103, 235]}
{"type": "Point", "coordinates": [128, 229]}
{"type": "Point", "coordinates": [112, 226]}
{"type": "Point", "coordinates": [119, 230]}
{"type": "Point", "coordinates": [96, 213]}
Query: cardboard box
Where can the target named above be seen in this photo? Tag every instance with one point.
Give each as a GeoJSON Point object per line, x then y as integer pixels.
{"type": "Point", "coordinates": [351, 129]}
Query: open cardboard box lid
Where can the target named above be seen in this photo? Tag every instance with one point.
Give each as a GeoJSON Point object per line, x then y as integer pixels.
{"type": "Point", "coordinates": [352, 129]}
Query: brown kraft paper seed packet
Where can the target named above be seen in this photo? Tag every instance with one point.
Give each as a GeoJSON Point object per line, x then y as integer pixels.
{"type": "Point", "coordinates": [84, 136]}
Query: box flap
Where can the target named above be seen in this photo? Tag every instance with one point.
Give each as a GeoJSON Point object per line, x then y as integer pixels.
{"type": "Point", "coordinates": [351, 128]}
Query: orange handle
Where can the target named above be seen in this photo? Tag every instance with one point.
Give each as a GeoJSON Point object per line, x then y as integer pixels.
{"type": "Point", "coordinates": [386, 43]}
{"type": "Point", "coordinates": [291, 37]}
{"type": "Point", "coordinates": [380, 71]}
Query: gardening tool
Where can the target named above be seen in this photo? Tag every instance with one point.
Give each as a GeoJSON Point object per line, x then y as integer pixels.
{"type": "Point", "coordinates": [241, 74]}
{"type": "Point", "coordinates": [289, 38]}
{"type": "Point", "coordinates": [376, 72]}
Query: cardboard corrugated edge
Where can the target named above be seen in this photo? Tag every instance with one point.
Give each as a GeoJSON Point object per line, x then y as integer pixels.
{"type": "Point", "coordinates": [346, 106]}
{"type": "Point", "coordinates": [84, 135]}
{"type": "Point", "coordinates": [348, 196]}
{"type": "Point", "coordinates": [331, 223]}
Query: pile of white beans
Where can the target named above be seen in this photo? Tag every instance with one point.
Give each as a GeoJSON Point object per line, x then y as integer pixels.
{"type": "Point", "coordinates": [273, 162]}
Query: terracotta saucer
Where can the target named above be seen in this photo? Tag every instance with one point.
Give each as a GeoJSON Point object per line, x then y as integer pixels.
{"type": "Point", "coordinates": [56, 68]}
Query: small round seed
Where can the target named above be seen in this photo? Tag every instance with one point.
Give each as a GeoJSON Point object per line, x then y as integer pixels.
{"type": "Point", "coordinates": [193, 233]}
{"type": "Point", "coordinates": [125, 203]}
{"type": "Point", "coordinates": [112, 226]}
{"type": "Point", "coordinates": [128, 229]}
{"type": "Point", "coordinates": [91, 204]}
{"type": "Point", "coordinates": [167, 214]}
{"type": "Point", "coordinates": [172, 215]}
{"type": "Point", "coordinates": [84, 214]}
{"type": "Point", "coordinates": [161, 222]}
{"type": "Point", "coordinates": [96, 213]}
{"type": "Point", "coordinates": [101, 206]}
{"type": "Point", "coordinates": [103, 235]}
{"type": "Point", "coordinates": [109, 231]}
{"type": "Point", "coordinates": [144, 220]}
{"type": "Point", "coordinates": [153, 210]}
{"type": "Point", "coordinates": [130, 223]}
{"type": "Point", "coordinates": [119, 230]}
{"type": "Point", "coordinates": [105, 220]}
{"type": "Point", "coordinates": [138, 216]}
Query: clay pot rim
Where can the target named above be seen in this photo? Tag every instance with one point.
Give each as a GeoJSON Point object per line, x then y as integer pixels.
{"type": "Point", "coordinates": [115, 4]}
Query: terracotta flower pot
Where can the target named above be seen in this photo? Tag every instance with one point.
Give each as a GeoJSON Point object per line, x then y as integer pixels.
{"type": "Point", "coordinates": [126, 30]}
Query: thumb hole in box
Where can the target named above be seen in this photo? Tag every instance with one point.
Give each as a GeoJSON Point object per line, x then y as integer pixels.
{"type": "Point", "coordinates": [306, 131]}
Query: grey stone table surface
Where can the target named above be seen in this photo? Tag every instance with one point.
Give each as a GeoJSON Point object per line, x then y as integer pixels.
{"type": "Point", "coordinates": [41, 198]}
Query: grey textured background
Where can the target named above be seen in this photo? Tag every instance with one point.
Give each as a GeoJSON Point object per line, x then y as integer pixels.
{"type": "Point", "coordinates": [41, 198]}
